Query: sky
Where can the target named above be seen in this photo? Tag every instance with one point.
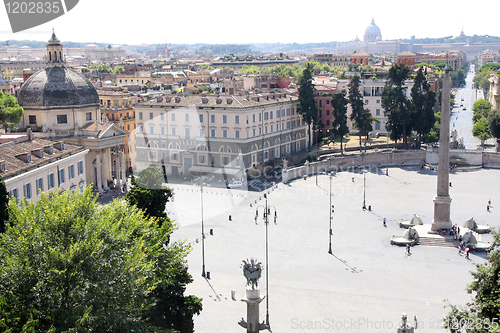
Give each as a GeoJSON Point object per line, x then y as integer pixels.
{"type": "Point", "coordinates": [258, 21]}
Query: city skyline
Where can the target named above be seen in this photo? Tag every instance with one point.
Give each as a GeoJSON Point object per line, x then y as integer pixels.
{"type": "Point", "coordinates": [262, 22]}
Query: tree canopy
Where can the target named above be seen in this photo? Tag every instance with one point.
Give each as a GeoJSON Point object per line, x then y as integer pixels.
{"type": "Point", "coordinates": [494, 123]}
{"type": "Point", "coordinates": [10, 111]}
{"type": "Point", "coordinates": [396, 105]}
{"type": "Point", "coordinates": [68, 264]}
{"type": "Point", "coordinates": [148, 193]}
{"type": "Point", "coordinates": [356, 102]}
{"type": "Point", "coordinates": [4, 203]}
{"type": "Point", "coordinates": [339, 126]}
{"type": "Point", "coordinates": [422, 106]}
{"type": "Point", "coordinates": [307, 102]}
{"type": "Point", "coordinates": [481, 109]}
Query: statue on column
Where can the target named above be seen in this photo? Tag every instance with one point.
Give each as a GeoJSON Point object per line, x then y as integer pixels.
{"type": "Point", "coordinates": [252, 271]}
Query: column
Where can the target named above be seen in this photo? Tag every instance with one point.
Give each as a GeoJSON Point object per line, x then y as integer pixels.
{"type": "Point", "coordinates": [118, 179]}
{"type": "Point", "coordinates": [105, 169]}
{"type": "Point", "coordinates": [442, 200]}
{"type": "Point", "coordinates": [122, 160]}
{"type": "Point", "coordinates": [98, 168]}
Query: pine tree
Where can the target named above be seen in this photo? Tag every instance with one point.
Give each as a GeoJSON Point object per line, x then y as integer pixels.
{"type": "Point", "coordinates": [356, 101]}
{"type": "Point", "coordinates": [307, 103]}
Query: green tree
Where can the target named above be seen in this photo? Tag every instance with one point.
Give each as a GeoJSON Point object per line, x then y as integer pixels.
{"type": "Point", "coordinates": [10, 111]}
{"type": "Point", "coordinates": [494, 123]}
{"type": "Point", "coordinates": [118, 69]}
{"type": "Point", "coordinates": [339, 126]}
{"type": "Point", "coordinates": [422, 105]}
{"type": "Point", "coordinates": [68, 264]}
{"type": "Point", "coordinates": [148, 193]}
{"type": "Point", "coordinates": [485, 306]}
{"type": "Point", "coordinates": [396, 104]}
{"type": "Point", "coordinates": [307, 103]}
{"type": "Point", "coordinates": [481, 109]}
{"type": "Point", "coordinates": [4, 204]}
{"type": "Point", "coordinates": [356, 102]}
{"type": "Point", "coordinates": [480, 129]}
{"type": "Point", "coordinates": [365, 125]}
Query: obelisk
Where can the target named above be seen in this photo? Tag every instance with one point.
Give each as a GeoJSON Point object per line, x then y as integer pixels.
{"type": "Point", "coordinates": [442, 200]}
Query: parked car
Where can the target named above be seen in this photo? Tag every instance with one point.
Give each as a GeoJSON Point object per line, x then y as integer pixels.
{"type": "Point", "coordinates": [235, 184]}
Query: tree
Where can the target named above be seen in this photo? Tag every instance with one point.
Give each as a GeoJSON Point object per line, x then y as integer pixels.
{"type": "Point", "coordinates": [365, 123]}
{"type": "Point", "coordinates": [307, 103]}
{"type": "Point", "coordinates": [396, 104]}
{"type": "Point", "coordinates": [148, 193]}
{"type": "Point", "coordinates": [4, 204]}
{"type": "Point", "coordinates": [356, 101]}
{"type": "Point", "coordinates": [422, 105]}
{"type": "Point", "coordinates": [10, 111]}
{"type": "Point", "coordinates": [68, 264]}
{"type": "Point", "coordinates": [339, 122]}
{"type": "Point", "coordinates": [494, 123]}
{"type": "Point", "coordinates": [480, 129]}
{"type": "Point", "coordinates": [484, 310]}
{"type": "Point", "coordinates": [481, 109]}
{"type": "Point", "coordinates": [118, 69]}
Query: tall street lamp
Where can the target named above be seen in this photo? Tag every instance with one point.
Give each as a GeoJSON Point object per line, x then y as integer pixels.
{"type": "Point", "coordinates": [331, 216]}
{"type": "Point", "coordinates": [387, 168]}
{"type": "Point", "coordinates": [267, 211]}
{"type": "Point", "coordinates": [202, 231]}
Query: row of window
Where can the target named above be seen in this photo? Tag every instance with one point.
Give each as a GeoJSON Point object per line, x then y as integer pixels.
{"type": "Point", "coordinates": [50, 181]}
{"type": "Point", "coordinates": [267, 115]}
{"type": "Point", "coordinates": [60, 118]}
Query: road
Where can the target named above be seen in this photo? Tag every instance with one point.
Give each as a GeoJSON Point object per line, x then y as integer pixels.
{"type": "Point", "coordinates": [461, 119]}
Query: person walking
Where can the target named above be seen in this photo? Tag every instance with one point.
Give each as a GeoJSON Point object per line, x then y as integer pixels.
{"type": "Point", "coordinates": [385, 222]}
{"type": "Point", "coordinates": [407, 249]}
{"type": "Point", "coordinates": [467, 250]}
{"type": "Point", "coordinates": [487, 208]}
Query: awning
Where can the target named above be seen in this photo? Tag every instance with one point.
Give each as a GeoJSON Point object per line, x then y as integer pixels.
{"type": "Point", "coordinates": [216, 171]}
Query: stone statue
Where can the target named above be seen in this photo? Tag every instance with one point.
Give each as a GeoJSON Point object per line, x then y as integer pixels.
{"type": "Point", "coordinates": [121, 121]}
{"type": "Point", "coordinates": [405, 327]}
{"type": "Point", "coordinates": [252, 270]}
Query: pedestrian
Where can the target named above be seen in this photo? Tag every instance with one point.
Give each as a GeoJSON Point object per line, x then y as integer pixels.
{"type": "Point", "coordinates": [407, 249]}
{"type": "Point", "coordinates": [487, 208]}
{"type": "Point", "coordinates": [385, 220]}
{"type": "Point", "coordinates": [255, 219]}
{"type": "Point", "coordinates": [489, 202]}
{"type": "Point", "coordinates": [467, 252]}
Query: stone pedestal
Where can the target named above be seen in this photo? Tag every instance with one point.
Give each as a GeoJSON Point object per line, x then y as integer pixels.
{"type": "Point", "coordinates": [442, 218]}
{"type": "Point", "coordinates": [253, 300]}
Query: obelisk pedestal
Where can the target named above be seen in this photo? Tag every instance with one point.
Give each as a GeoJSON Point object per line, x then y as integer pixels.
{"type": "Point", "coordinates": [253, 300]}
{"type": "Point", "coordinates": [442, 200]}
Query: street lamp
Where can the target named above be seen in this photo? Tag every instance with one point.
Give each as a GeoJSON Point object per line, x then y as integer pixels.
{"type": "Point", "coordinates": [202, 231]}
{"type": "Point", "coordinates": [331, 216]}
{"type": "Point", "coordinates": [267, 211]}
{"type": "Point", "coordinates": [387, 168]}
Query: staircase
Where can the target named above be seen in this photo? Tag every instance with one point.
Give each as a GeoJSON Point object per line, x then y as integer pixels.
{"type": "Point", "coordinates": [438, 241]}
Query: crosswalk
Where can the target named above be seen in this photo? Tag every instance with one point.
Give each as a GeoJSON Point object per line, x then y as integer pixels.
{"type": "Point", "coordinates": [259, 184]}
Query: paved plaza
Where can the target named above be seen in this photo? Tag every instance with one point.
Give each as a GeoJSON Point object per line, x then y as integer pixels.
{"type": "Point", "coordinates": [366, 284]}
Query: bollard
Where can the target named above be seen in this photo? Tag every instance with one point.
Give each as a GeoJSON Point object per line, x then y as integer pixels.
{"type": "Point", "coordinates": [211, 232]}
{"type": "Point", "coordinates": [370, 208]}
{"type": "Point", "coordinates": [208, 275]}
{"type": "Point", "coordinates": [230, 218]}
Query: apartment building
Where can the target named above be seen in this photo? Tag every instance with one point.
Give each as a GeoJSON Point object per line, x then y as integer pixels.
{"type": "Point", "coordinates": [37, 165]}
{"type": "Point", "coordinates": [323, 95]}
{"type": "Point", "coordinates": [218, 134]}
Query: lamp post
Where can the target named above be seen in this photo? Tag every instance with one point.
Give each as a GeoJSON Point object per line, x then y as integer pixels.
{"type": "Point", "coordinates": [364, 179]}
{"type": "Point", "coordinates": [387, 168]}
{"type": "Point", "coordinates": [202, 231]}
{"type": "Point", "coordinates": [331, 217]}
{"type": "Point", "coordinates": [267, 211]}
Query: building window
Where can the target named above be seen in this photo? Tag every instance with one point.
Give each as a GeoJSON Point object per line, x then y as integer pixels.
{"type": "Point", "coordinates": [27, 190]}
{"type": "Point", "coordinates": [201, 159]}
{"type": "Point", "coordinates": [32, 120]}
{"type": "Point", "coordinates": [212, 118]}
{"type": "Point", "coordinates": [201, 118]}
{"type": "Point", "coordinates": [173, 131]}
{"type": "Point", "coordinates": [39, 186]}
{"type": "Point", "coordinates": [271, 115]}
{"type": "Point", "coordinates": [224, 119]}
{"type": "Point", "coordinates": [141, 129]}
{"type": "Point", "coordinates": [162, 116]}
{"type": "Point", "coordinates": [162, 130]}
{"type": "Point", "coordinates": [253, 117]}
{"type": "Point", "coordinates": [71, 172]}
{"type": "Point", "coordinates": [224, 133]}
{"type": "Point", "coordinates": [140, 115]}
{"type": "Point", "coordinates": [378, 101]}
{"type": "Point", "coordinates": [260, 117]}
{"type": "Point", "coordinates": [377, 112]}
{"type": "Point", "coordinates": [151, 116]}
{"type": "Point", "coordinates": [253, 130]}
{"type": "Point", "coordinates": [366, 101]}
{"type": "Point", "coordinates": [266, 115]}
{"type": "Point", "coordinates": [202, 132]}
{"type": "Point", "coordinates": [186, 117]}
{"type": "Point", "coordinates": [151, 130]}
{"type": "Point", "coordinates": [172, 116]}
{"type": "Point", "coordinates": [377, 125]}
{"type": "Point", "coordinates": [187, 133]}
{"type": "Point", "coordinates": [287, 112]}
{"type": "Point", "coordinates": [62, 177]}
{"type": "Point", "coordinates": [14, 193]}
{"type": "Point", "coordinates": [236, 119]}
{"type": "Point", "coordinates": [174, 157]}
{"type": "Point", "coordinates": [62, 119]}
{"type": "Point", "coordinates": [51, 181]}
{"type": "Point", "coordinates": [225, 160]}
{"type": "Point", "coordinates": [212, 133]}
{"type": "Point", "coordinates": [88, 116]}
{"type": "Point", "coordinates": [80, 168]}
{"type": "Point", "coordinates": [237, 134]}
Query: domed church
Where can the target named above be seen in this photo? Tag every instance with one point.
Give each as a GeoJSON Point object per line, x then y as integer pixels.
{"type": "Point", "coordinates": [372, 33]}
{"type": "Point", "coordinates": [61, 103]}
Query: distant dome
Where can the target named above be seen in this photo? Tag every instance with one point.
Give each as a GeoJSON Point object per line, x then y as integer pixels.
{"type": "Point", "coordinates": [372, 33]}
{"type": "Point", "coordinates": [56, 87]}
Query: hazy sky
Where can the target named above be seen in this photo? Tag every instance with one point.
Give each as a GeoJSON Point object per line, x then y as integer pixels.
{"type": "Point", "coordinates": [259, 21]}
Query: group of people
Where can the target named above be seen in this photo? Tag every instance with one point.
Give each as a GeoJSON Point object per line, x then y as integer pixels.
{"type": "Point", "coordinates": [466, 248]}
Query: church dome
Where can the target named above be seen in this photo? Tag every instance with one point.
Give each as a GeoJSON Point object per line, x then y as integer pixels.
{"type": "Point", "coordinates": [372, 33]}
{"type": "Point", "coordinates": [57, 87]}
